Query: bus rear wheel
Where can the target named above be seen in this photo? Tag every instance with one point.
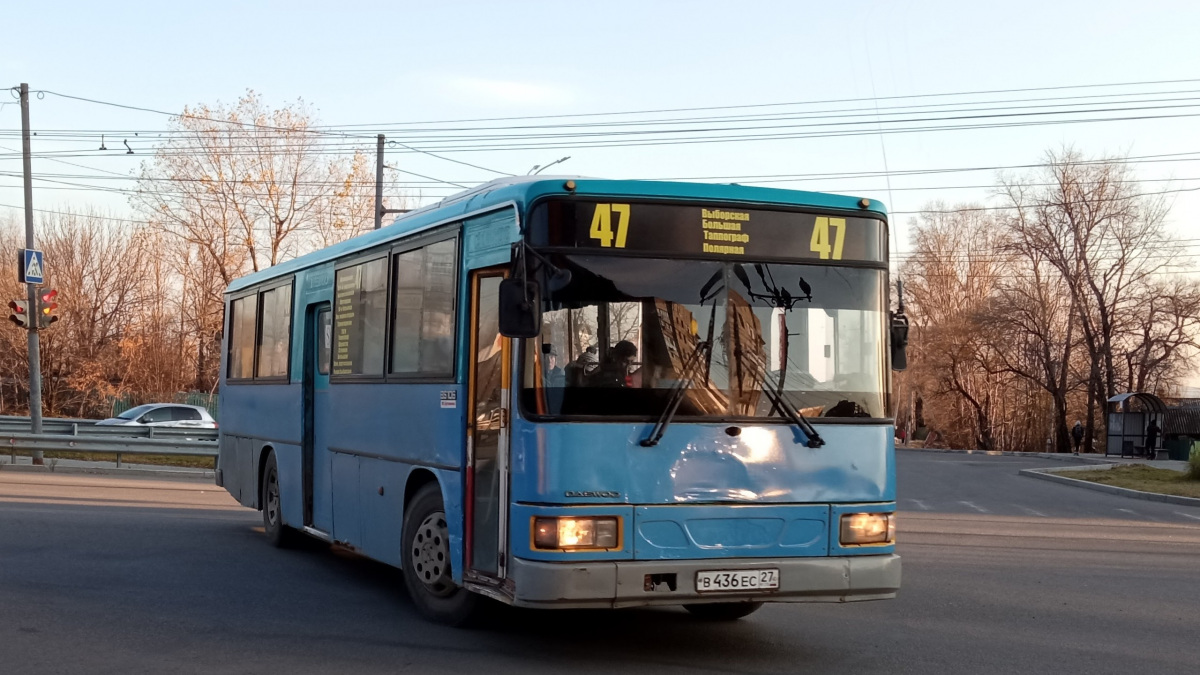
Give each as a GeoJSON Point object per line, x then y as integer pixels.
{"type": "Point", "coordinates": [723, 611]}
{"type": "Point", "coordinates": [426, 562]}
{"type": "Point", "coordinates": [280, 535]}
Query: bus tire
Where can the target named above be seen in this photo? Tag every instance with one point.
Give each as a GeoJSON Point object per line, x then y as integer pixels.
{"type": "Point", "coordinates": [280, 535]}
{"type": "Point", "coordinates": [723, 611]}
{"type": "Point", "coordinates": [426, 562]}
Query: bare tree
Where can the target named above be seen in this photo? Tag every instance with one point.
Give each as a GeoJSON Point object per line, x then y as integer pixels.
{"type": "Point", "coordinates": [952, 275]}
{"type": "Point", "coordinates": [238, 189]}
{"type": "Point", "coordinates": [1086, 219]}
{"type": "Point", "coordinates": [1161, 333]}
{"type": "Point", "coordinates": [1031, 322]}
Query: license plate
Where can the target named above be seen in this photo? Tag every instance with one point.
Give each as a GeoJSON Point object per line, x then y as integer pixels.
{"type": "Point", "coordinates": [732, 581]}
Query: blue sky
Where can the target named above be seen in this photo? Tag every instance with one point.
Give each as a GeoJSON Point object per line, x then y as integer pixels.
{"type": "Point", "coordinates": [363, 62]}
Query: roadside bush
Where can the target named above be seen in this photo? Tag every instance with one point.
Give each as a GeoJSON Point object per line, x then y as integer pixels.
{"type": "Point", "coordinates": [1194, 462]}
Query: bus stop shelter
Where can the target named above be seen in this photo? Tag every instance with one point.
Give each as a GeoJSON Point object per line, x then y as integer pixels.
{"type": "Point", "coordinates": [1128, 416]}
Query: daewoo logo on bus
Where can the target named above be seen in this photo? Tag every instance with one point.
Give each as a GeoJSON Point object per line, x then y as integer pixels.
{"type": "Point", "coordinates": [607, 494]}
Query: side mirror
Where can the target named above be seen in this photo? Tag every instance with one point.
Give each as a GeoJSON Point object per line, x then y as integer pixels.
{"type": "Point", "coordinates": [520, 309]}
{"type": "Point", "coordinates": [899, 340]}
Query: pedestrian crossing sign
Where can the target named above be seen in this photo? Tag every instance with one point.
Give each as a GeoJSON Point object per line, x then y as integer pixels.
{"type": "Point", "coordinates": [33, 268]}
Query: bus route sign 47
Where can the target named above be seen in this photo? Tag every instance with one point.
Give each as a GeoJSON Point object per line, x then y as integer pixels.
{"type": "Point", "coordinates": [31, 266]}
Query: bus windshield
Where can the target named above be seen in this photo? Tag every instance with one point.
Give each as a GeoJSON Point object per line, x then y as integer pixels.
{"type": "Point", "coordinates": [625, 332]}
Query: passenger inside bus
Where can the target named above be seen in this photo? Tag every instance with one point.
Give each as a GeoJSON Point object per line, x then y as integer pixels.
{"type": "Point", "coordinates": [617, 369]}
{"type": "Point", "coordinates": [553, 375]}
{"type": "Point", "coordinates": [576, 372]}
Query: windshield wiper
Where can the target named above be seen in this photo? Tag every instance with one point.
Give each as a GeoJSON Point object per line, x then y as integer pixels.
{"type": "Point", "coordinates": [677, 394]}
{"type": "Point", "coordinates": [780, 298]}
{"type": "Point", "coordinates": [709, 291]}
{"type": "Point", "coordinates": [787, 408]}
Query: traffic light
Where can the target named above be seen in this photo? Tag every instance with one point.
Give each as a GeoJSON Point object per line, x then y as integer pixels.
{"type": "Point", "coordinates": [46, 307]}
{"type": "Point", "coordinates": [20, 313]}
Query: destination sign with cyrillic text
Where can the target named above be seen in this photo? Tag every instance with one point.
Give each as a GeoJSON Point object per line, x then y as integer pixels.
{"type": "Point", "coordinates": [711, 231]}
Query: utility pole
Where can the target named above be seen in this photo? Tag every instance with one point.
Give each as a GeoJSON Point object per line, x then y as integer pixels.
{"type": "Point", "coordinates": [35, 360]}
{"type": "Point", "coordinates": [380, 212]}
{"type": "Point", "coordinates": [378, 181]}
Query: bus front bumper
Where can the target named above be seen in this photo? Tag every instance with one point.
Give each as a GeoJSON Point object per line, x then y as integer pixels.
{"type": "Point", "coordinates": [672, 582]}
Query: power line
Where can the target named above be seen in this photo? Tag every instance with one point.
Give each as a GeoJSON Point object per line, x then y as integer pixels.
{"type": "Point", "coordinates": [628, 143]}
{"type": "Point", "coordinates": [1004, 208]}
{"type": "Point", "coordinates": [795, 103]}
{"type": "Point", "coordinates": [189, 116]}
{"type": "Point", "coordinates": [441, 136]}
{"type": "Point", "coordinates": [73, 213]}
{"type": "Point", "coordinates": [451, 143]}
{"type": "Point", "coordinates": [1191, 156]}
{"type": "Point", "coordinates": [286, 130]}
{"type": "Point", "coordinates": [871, 112]}
{"type": "Point", "coordinates": [65, 178]}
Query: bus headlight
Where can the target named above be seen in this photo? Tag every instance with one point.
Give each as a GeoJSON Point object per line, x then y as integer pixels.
{"type": "Point", "coordinates": [567, 533]}
{"type": "Point", "coordinates": [868, 528]}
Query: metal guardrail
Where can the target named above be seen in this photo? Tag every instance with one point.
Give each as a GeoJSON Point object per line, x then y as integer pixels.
{"type": "Point", "coordinates": [77, 427]}
{"type": "Point", "coordinates": [132, 446]}
{"type": "Point", "coordinates": [75, 435]}
{"type": "Point", "coordinates": [13, 419]}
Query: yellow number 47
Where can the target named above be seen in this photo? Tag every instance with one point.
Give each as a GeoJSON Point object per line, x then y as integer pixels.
{"type": "Point", "coordinates": [602, 230]}
{"type": "Point", "coordinates": [820, 243]}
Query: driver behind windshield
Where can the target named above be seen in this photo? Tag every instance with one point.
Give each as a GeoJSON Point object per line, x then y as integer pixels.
{"type": "Point", "coordinates": [617, 368]}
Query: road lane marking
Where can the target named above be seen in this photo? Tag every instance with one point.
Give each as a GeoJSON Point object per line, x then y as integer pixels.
{"type": "Point", "coordinates": [1032, 512]}
{"type": "Point", "coordinates": [920, 504]}
{"type": "Point", "coordinates": [977, 508]}
{"type": "Point", "coordinates": [1143, 516]}
{"type": "Point", "coordinates": [1187, 515]}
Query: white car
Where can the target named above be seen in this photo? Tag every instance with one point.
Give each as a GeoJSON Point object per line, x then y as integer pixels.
{"type": "Point", "coordinates": [163, 415]}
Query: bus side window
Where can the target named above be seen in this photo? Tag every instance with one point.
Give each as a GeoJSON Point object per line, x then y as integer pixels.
{"type": "Point", "coordinates": [423, 311]}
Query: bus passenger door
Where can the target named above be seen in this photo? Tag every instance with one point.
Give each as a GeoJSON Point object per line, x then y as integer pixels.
{"type": "Point", "coordinates": [487, 429]}
{"type": "Point", "coordinates": [318, 512]}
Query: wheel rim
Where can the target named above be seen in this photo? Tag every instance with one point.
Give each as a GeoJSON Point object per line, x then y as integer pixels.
{"type": "Point", "coordinates": [430, 551]}
{"type": "Point", "coordinates": [272, 505]}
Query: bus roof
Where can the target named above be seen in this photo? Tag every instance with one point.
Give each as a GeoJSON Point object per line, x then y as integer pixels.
{"type": "Point", "coordinates": [523, 190]}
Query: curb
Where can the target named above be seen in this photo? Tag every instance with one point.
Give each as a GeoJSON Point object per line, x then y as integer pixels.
{"type": "Point", "coordinates": [1058, 456]}
{"type": "Point", "coordinates": [206, 475]}
{"type": "Point", "coordinates": [1052, 475]}
{"type": "Point", "coordinates": [25, 468]}
{"type": "Point", "coordinates": [152, 473]}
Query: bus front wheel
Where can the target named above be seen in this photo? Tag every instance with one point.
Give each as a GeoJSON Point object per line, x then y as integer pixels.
{"type": "Point", "coordinates": [723, 611]}
{"type": "Point", "coordinates": [426, 562]}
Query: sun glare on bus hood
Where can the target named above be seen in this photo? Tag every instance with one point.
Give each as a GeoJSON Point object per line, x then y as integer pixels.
{"type": "Point", "coordinates": [700, 463]}
{"type": "Point", "coordinates": [719, 469]}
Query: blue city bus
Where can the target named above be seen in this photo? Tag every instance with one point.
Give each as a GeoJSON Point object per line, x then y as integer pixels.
{"type": "Point", "coordinates": [576, 393]}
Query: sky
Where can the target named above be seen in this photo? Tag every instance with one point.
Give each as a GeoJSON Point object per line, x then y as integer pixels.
{"type": "Point", "coordinates": [390, 63]}
{"type": "Point", "coordinates": [395, 62]}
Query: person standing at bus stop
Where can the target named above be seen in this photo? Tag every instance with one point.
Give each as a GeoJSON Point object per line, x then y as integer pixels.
{"type": "Point", "coordinates": [1152, 432]}
{"type": "Point", "coordinates": [1077, 435]}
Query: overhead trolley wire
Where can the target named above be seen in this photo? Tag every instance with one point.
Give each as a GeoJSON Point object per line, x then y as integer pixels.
{"type": "Point", "coordinates": [626, 143]}
{"type": "Point", "coordinates": [820, 114]}
{"type": "Point", "coordinates": [284, 130]}
{"type": "Point", "coordinates": [440, 135]}
{"type": "Point", "coordinates": [793, 103]}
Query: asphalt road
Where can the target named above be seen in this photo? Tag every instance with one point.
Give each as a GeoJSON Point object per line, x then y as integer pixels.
{"type": "Point", "coordinates": [1003, 574]}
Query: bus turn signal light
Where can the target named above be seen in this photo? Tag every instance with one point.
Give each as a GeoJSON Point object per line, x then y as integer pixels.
{"type": "Point", "coordinates": [559, 534]}
{"type": "Point", "coordinates": [868, 528]}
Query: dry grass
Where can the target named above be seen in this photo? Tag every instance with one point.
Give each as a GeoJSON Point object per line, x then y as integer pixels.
{"type": "Point", "coordinates": [1144, 478]}
{"type": "Point", "coordinates": [126, 459]}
